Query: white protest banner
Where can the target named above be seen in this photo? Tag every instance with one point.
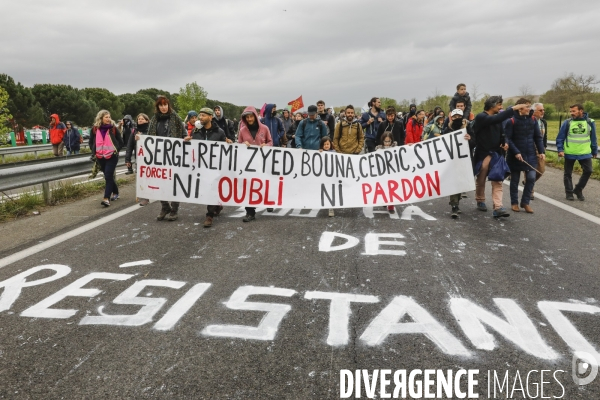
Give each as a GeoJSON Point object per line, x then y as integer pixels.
{"type": "Point", "coordinates": [218, 173]}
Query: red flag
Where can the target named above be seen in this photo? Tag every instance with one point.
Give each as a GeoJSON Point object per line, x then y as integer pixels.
{"type": "Point", "coordinates": [296, 104]}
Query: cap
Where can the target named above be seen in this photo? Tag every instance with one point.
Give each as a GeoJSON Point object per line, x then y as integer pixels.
{"type": "Point", "coordinates": [192, 113]}
{"type": "Point", "coordinates": [312, 110]}
{"type": "Point", "coordinates": [456, 111]}
{"type": "Point", "coordinates": [207, 110]}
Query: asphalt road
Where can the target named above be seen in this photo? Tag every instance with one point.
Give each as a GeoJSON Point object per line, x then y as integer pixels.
{"type": "Point", "coordinates": [418, 304]}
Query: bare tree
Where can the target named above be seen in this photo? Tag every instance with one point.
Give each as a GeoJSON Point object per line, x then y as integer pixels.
{"type": "Point", "coordinates": [474, 92]}
{"type": "Point", "coordinates": [526, 91]}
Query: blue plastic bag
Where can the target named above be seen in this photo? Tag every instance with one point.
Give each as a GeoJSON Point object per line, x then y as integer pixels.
{"type": "Point", "coordinates": [498, 168]}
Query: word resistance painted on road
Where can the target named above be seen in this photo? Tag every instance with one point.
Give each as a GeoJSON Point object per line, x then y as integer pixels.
{"type": "Point", "coordinates": [230, 174]}
{"type": "Point", "coordinates": [475, 321]}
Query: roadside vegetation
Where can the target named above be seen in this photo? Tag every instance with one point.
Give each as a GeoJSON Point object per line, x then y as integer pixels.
{"type": "Point", "coordinates": [29, 157]}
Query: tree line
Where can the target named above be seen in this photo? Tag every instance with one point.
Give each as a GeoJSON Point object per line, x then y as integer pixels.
{"type": "Point", "coordinates": [31, 106]}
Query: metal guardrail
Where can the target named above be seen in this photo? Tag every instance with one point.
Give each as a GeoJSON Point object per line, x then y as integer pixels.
{"type": "Point", "coordinates": [35, 149]}
{"type": "Point", "coordinates": [23, 176]}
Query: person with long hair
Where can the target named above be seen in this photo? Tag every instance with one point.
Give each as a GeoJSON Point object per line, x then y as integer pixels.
{"type": "Point", "coordinates": [72, 139]}
{"type": "Point", "coordinates": [143, 121]}
{"type": "Point", "coordinates": [105, 143]}
{"type": "Point", "coordinates": [166, 123]}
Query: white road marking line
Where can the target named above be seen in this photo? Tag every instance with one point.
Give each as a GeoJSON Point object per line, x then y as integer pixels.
{"type": "Point", "coordinates": [65, 236]}
{"type": "Point", "coordinates": [136, 263]}
{"type": "Point", "coordinates": [562, 206]}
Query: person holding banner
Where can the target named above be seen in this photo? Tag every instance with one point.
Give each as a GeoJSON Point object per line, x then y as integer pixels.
{"type": "Point", "coordinates": [210, 131]}
{"type": "Point", "coordinates": [370, 121]}
{"type": "Point", "coordinates": [166, 122]}
{"type": "Point", "coordinates": [141, 129]}
{"type": "Point", "coordinates": [253, 132]}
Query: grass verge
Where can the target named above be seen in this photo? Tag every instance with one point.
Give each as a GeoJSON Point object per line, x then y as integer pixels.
{"type": "Point", "coordinates": [29, 157]}
{"type": "Point", "coordinates": [553, 160]}
{"type": "Point", "coordinates": [62, 192]}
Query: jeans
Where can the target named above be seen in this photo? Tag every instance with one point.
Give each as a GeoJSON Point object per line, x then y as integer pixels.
{"type": "Point", "coordinates": [108, 166]}
{"type": "Point", "coordinates": [74, 152]}
{"type": "Point", "coordinates": [586, 166]}
{"type": "Point", "coordinates": [514, 186]}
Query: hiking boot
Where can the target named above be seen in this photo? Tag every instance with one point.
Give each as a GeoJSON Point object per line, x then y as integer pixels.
{"type": "Point", "coordinates": [172, 215]}
{"type": "Point", "coordinates": [269, 210]}
{"type": "Point", "coordinates": [208, 222]}
{"type": "Point", "coordinates": [515, 208]}
{"type": "Point", "coordinates": [218, 211]}
{"type": "Point", "coordinates": [455, 212]}
{"type": "Point", "coordinates": [163, 213]}
{"type": "Point", "coordinates": [527, 208]}
{"type": "Point", "coordinates": [579, 194]}
{"type": "Point", "coordinates": [570, 197]}
{"type": "Point", "coordinates": [501, 212]}
{"type": "Point", "coordinates": [481, 206]}
{"type": "Point", "coordinates": [129, 171]}
{"type": "Point", "coordinates": [391, 209]}
{"type": "Point", "coordinates": [249, 218]}
{"type": "Point", "coordinates": [331, 212]}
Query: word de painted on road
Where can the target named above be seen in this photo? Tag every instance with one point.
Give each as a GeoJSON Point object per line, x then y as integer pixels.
{"type": "Point", "coordinates": [236, 175]}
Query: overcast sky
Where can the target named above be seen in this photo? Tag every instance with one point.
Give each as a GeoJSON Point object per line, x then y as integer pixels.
{"type": "Point", "coordinates": [252, 52]}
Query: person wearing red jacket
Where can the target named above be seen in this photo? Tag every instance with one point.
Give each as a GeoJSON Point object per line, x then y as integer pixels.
{"type": "Point", "coordinates": [57, 133]}
{"type": "Point", "coordinates": [414, 128]}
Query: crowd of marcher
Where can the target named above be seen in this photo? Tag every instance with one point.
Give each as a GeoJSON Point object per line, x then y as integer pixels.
{"type": "Point", "coordinates": [504, 142]}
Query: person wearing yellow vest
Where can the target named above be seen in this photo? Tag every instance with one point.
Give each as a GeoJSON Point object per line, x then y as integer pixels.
{"type": "Point", "coordinates": [105, 143]}
{"type": "Point", "coordinates": [576, 141]}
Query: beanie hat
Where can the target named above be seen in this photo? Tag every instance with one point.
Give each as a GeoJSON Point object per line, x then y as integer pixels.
{"type": "Point", "coordinates": [192, 113]}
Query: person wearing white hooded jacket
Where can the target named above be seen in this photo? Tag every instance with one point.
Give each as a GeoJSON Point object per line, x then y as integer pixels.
{"type": "Point", "coordinates": [224, 123]}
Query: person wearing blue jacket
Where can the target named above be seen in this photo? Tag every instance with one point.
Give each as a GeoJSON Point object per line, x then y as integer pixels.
{"type": "Point", "coordinates": [576, 141]}
{"type": "Point", "coordinates": [370, 121]}
{"type": "Point", "coordinates": [275, 126]}
{"type": "Point", "coordinates": [310, 131]}
{"type": "Point", "coordinates": [72, 139]}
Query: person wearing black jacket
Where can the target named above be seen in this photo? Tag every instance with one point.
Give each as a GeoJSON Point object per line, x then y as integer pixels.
{"type": "Point", "coordinates": [212, 132]}
{"type": "Point", "coordinates": [105, 143]}
{"type": "Point", "coordinates": [489, 138]}
{"type": "Point", "coordinates": [326, 117]}
{"type": "Point", "coordinates": [224, 123]}
{"type": "Point", "coordinates": [143, 121]}
{"type": "Point", "coordinates": [538, 114]}
{"type": "Point", "coordinates": [291, 132]}
{"type": "Point", "coordinates": [412, 111]}
{"type": "Point", "coordinates": [393, 125]}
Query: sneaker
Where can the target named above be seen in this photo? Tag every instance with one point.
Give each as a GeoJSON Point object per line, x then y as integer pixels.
{"type": "Point", "coordinates": [218, 211]}
{"type": "Point", "coordinates": [463, 196]}
{"type": "Point", "coordinates": [579, 194]}
{"type": "Point", "coordinates": [455, 212]}
{"type": "Point", "coordinates": [570, 196]}
{"type": "Point", "coordinates": [481, 206]}
{"type": "Point", "coordinates": [391, 209]}
{"type": "Point", "coordinates": [105, 203]}
{"type": "Point", "coordinates": [129, 172]}
{"type": "Point", "coordinates": [115, 197]}
{"type": "Point", "coordinates": [331, 212]}
{"type": "Point", "coordinates": [269, 210]}
{"type": "Point", "coordinates": [172, 215]}
{"type": "Point", "coordinates": [249, 218]}
{"type": "Point", "coordinates": [208, 222]}
{"type": "Point", "coordinates": [501, 212]}
{"type": "Point", "coordinates": [163, 214]}
{"type": "Point", "coordinates": [144, 202]}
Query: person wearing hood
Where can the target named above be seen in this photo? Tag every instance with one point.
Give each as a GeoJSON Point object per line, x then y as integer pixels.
{"type": "Point", "coordinates": [291, 132]}
{"type": "Point", "coordinates": [310, 131]}
{"type": "Point", "coordinates": [141, 129]}
{"type": "Point", "coordinates": [326, 117]}
{"type": "Point", "coordinates": [72, 139]}
{"type": "Point", "coordinates": [57, 133]}
{"type": "Point", "coordinates": [370, 121]}
{"type": "Point", "coordinates": [462, 94]}
{"type": "Point", "coordinates": [208, 130]}
{"type": "Point", "coordinates": [190, 120]}
{"type": "Point", "coordinates": [127, 127]}
{"type": "Point", "coordinates": [253, 133]}
{"type": "Point", "coordinates": [166, 123]}
{"type": "Point", "coordinates": [434, 129]}
{"type": "Point", "coordinates": [577, 141]}
{"type": "Point", "coordinates": [223, 123]}
{"type": "Point", "coordinates": [348, 137]}
{"type": "Point", "coordinates": [275, 126]}
{"type": "Point", "coordinates": [393, 125]}
{"type": "Point", "coordinates": [456, 123]}
{"type": "Point", "coordinates": [287, 120]}
{"type": "Point", "coordinates": [105, 143]}
{"type": "Point", "coordinates": [412, 111]}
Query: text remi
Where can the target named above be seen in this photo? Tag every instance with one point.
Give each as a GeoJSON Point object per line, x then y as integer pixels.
{"type": "Point", "coordinates": [476, 322]}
